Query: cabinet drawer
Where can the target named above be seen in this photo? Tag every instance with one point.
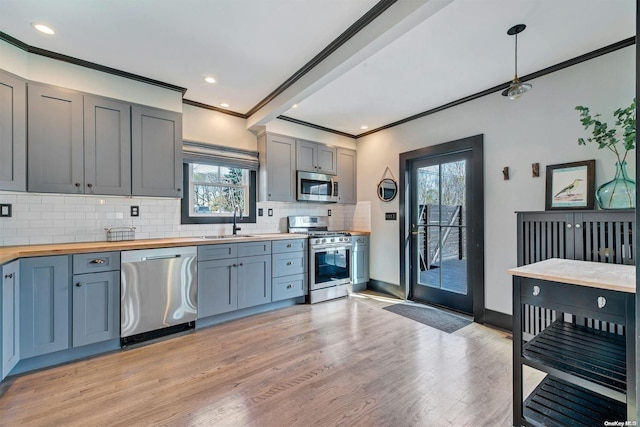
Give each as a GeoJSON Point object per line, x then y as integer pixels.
{"type": "Point", "coordinates": [574, 299]}
{"type": "Point", "coordinates": [289, 287]}
{"type": "Point", "coordinates": [291, 245]}
{"type": "Point", "coordinates": [254, 248]}
{"type": "Point", "coordinates": [96, 262]}
{"type": "Point", "coordinates": [287, 264]}
{"type": "Point", "coordinates": [213, 252]}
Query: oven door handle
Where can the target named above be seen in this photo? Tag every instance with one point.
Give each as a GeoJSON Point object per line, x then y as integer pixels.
{"type": "Point", "coordinates": [316, 249]}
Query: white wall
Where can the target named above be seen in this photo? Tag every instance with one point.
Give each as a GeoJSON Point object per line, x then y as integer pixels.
{"type": "Point", "coordinates": [304, 132]}
{"type": "Point", "coordinates": [51, 71]}
{"type": "Point", "coordinates": [212, 127]}
{"type": "Point", "coordinates": [540, 127]}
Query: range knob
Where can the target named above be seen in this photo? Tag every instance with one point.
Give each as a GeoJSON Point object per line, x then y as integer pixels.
{"type": "Point", "coordinates": [317, 241]}
{"type": "Point", "coordinates": [333, 240]}
{"type": "Point", "coordinates": [324, 240]}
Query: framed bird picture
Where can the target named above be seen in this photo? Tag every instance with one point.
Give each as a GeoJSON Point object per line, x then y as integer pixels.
{"type": "Point", "coordinates": [571, 186]}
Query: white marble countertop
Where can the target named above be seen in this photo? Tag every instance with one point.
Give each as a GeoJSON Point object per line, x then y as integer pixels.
{"type": "Point", "coordinates": [600, 275]}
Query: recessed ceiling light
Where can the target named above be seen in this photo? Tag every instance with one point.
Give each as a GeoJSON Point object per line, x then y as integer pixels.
{"type": "Point", "coordinates": [294, 106]}
{"type": "Point", "coordinates": [42, 28]}
{"type": "Point", "coordinates": [364, 127]}
{"type": "Point", "coordinates": [209, 80]}
{"type": "Point", "coordinates": [224, 105]}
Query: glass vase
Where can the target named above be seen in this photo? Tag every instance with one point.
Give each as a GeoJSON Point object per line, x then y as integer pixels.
{"type": "Point", "coordinates": [620, 192]}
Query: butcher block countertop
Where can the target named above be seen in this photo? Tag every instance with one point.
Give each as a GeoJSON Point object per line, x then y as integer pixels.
{"type": "Point", "coordinates": [9, 253]}
{"type": "Point", "coordinates": [600, 275]}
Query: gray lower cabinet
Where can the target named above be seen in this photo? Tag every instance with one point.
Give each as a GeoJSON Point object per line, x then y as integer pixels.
{"type": "Point", "coordinates": [13, 133]}
{"type": "Point", "coordinates": [289, 269]}
{"type": "Point", "coordinates": [360, 262]}
{"type": "Point", "coordinates": [254, 281]}
{"type": "Point", "coordinates": [277, 168]}
{"type": "Point", "coordinates": [96, 307]}
{"type": "Point", "coordinates": [347, 192]}
{"type": "Point", "coordinates": [233, 276]}
{"type": "Point", "coordinates": [10, 298]}
{"type": "Point", "coordinates": [217, 287]}
{"type": "Point", "coordinates": [78, 144]}
{"type": "Point", "coordinates": [156, 152]}
{"type": "Point", "coordinates": [44, 305]}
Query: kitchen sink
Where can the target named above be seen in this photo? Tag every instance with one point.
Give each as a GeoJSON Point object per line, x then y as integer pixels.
{"type": "Point", "coordinates": [225, 236]}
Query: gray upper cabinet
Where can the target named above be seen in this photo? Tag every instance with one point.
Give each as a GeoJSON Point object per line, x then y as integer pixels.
{"type": "Point", "coordinates": [347, 192]}
{"type": "Point", "coordinates": [78, 143]}
{"type": "Point", "coordinates": [277, 168]}
{"type": "Point", "coordinates": [156, 152]}
{"type": "Point", "coordinates": [107, 146]}
{"type": "Point", "coordinates": [13, 133]}
{"type": "Point", "coordinates": [315, 157]}
{"type": "Point", "coordinates": [10, 297]}
{"type": "Point", "coordinates": [44, 305]}
{"type": "Point", "coordinates": [55, 156]}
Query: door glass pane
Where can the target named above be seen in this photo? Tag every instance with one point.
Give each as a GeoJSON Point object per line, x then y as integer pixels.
{"type": "Point", "coordinates": [441, 227]}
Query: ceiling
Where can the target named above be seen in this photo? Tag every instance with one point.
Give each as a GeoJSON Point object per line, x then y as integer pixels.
{"type": "Point", "coordinates": [415, 56]}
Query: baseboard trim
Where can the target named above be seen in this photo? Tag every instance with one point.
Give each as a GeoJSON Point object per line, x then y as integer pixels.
{"type": "Point", "coordinates": [498, 319]}
{"type": "Point", "coordinates": [386, 288]}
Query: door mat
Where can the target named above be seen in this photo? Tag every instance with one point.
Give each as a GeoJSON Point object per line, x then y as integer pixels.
{"type": "Point", "coordinates": [430, 316]}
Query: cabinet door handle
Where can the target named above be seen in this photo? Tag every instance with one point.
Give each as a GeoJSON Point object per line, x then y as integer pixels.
{"type": "Point", "coordinates": [90, 185]}
{"type": "Point", "coordinates": [289, 262]}
{"type": "Point", "coordinates": [8, 276]}
{"type": "Point", "coordinates": [536, 291]}
{"type": "Point", "coordinates": [77, 184]}
{"type": "Point", "coordinates": [234, 265]}
{"type": "Point", "coordinates": [241, 264]}
{"type": "Point", "coordinates": [289, 286]}
{"type": "Point", "coordinates": [78, 284]}
{"type": "Point", "coordinates": [602, 301]}
{"type": "Point", "coordinates": [569, 225]}
{"type": "Point", "coordinates": [98, 261]}
{"type": "Point", "coordinates": [178, 189]}
{"type": "Point", "coordinates": [289, 245]}
{"type": "Point", "coordinates": [577, 225]}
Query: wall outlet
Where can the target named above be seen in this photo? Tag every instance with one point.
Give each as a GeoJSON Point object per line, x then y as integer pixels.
{"type": "Point", "coordinates": [390, 216]}
{"type": "Point", "coordinates": [260, 212]}
{"type": "Point", "coordinates": [5, 210]}
{"type": "Point", "coordinates": [329, 212]}
{"type": "Point", "coordinates": [270, 212]}
{"type": "Point", "coordinates": [135, 210]}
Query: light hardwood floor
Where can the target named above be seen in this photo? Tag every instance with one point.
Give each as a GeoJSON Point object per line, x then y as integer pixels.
{"type": "Point", "coordinates": [343, 362]}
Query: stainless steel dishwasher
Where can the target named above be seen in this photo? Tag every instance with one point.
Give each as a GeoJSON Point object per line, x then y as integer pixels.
{"type": "Point", "coordinates": [158, 292]}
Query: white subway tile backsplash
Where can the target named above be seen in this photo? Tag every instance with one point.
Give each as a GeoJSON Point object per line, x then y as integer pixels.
{"type": "Point", "coordinates": [53, 218]}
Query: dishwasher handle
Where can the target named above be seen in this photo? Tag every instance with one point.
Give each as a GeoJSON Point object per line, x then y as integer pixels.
{"type": "Point", "coordinates": [150, 258]}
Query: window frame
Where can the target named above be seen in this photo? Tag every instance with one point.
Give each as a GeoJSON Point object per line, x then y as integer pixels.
{"type": "Point", "coordinates": [185, 209]}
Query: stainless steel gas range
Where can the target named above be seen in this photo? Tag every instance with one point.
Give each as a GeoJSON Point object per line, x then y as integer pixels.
{"type": "Point", "coordinates": [329, 257]}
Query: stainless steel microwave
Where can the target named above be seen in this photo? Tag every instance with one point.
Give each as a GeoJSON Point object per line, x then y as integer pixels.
{"type": "Point", "coordinates": [317, 187]}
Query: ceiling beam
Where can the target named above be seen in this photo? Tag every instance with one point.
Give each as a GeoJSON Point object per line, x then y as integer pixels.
{"type": "Point", "coordinates": [397, 19]}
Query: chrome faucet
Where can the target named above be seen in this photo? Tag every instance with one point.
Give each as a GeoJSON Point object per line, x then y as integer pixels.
{"type": "Point", "coordinates": [236, 209]}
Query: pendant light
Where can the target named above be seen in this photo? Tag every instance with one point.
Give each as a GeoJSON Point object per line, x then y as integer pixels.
{"type": "Point", "coordinates": [517, 88]}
